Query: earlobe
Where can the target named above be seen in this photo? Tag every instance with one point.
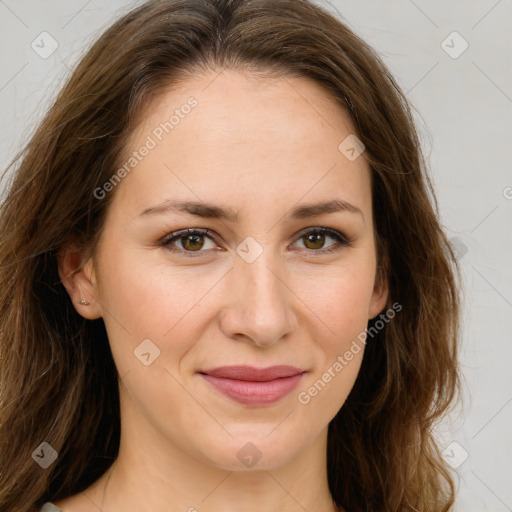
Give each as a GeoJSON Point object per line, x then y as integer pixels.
{"type": "Point", "coordinates": [76, 276]}
{"type": "Point", "coordinates": [82, 302]}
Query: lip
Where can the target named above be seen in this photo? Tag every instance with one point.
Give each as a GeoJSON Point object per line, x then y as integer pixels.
{"type": "Point", "coordinates": [254, 386]}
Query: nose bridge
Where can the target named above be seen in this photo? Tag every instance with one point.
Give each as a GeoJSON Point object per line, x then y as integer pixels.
{"type": "Point", "coordinates": [263, 287]}
{"type": "Point", "coordinates": [260, 308]}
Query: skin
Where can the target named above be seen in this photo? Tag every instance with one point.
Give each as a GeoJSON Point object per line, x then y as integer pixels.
{"type": "Point", "coordinates": [260, 147]}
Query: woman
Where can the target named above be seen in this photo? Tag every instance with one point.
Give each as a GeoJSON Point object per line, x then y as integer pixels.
{"type": "Point", "coordinates": [224, 282]}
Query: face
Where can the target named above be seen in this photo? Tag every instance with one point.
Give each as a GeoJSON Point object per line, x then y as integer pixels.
{"type": "Point", "coordinates": [263, 277]}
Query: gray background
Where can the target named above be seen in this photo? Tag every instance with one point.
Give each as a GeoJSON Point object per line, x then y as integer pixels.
{"type": "Point", "coordinates": [464, 115]}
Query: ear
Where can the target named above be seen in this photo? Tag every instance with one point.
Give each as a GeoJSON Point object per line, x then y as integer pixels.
{"type": "Point", "coordinates": [76, 272]}
{"type": "Point", "coordinates": [380, 292]}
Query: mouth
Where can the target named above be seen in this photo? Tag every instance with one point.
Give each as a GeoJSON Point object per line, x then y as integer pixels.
{"type": "Point", "coordinates": [254, 386]}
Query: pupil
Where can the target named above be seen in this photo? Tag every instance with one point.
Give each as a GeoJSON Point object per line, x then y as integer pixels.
{"type": "Point", "coordinates": [317, 239]}
{"type": "Point", "coordinates": [194, 239]}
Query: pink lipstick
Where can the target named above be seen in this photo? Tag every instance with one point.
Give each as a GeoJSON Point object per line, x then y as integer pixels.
{"type": "Point", "coordinates": [254, 386]}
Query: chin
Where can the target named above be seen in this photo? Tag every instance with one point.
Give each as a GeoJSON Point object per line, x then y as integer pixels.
{"type": "Point", "coordinates": [253, 449]}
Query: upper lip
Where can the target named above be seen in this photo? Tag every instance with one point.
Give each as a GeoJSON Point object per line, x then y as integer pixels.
{"type": "Point", "coordinates": [249, 373]}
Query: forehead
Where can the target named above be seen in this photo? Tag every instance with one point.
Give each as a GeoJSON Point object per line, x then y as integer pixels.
{"type": "Point", "coordinates": [236, 101]}
{"type": "Point", "coordinates": [244, 138]}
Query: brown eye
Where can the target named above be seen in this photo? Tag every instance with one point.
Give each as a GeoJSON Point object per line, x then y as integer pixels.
{"type": "Point", "coordinates": [314, 240]}
{"type": "Point", "coordinates": [192, 242]}
{"type": "Point", "coordinates": [189, 240]}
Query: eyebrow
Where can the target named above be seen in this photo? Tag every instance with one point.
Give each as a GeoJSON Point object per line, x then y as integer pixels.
{"type": "Point", "coordinates": [212, 211]}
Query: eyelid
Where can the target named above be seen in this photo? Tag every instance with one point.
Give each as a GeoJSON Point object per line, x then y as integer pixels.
{"type": "Point", "coordinates": [333, 233]}
{"type": "Point", "coordinates": [341, 239]}
{"type": "Point", "coordinates": [166, 241]}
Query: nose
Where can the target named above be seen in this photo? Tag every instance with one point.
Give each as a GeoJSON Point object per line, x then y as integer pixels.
{"type": "Point", "coordinates": [260, 306]}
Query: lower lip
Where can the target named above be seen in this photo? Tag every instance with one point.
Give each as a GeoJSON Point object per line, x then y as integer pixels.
{"type": "Point", "coordinates": [255, 393]}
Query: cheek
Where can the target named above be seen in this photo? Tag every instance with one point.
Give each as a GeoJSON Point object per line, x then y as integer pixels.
{"type": "Point", "coordinates": [144, 297]}
{"type": "Point", "coordinates": [147, 296]}
{"type": "Point", "coordinates": [340, 297]}
{"type": "Point", "coordinates": [341, 305]}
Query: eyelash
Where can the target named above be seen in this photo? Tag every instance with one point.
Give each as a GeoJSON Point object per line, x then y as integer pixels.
{"type": "Point", "coordinates": [340, 238]}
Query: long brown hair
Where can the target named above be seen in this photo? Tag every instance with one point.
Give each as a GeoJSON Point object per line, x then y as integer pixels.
{"type": "Point", "coordinates": [58, 380]}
